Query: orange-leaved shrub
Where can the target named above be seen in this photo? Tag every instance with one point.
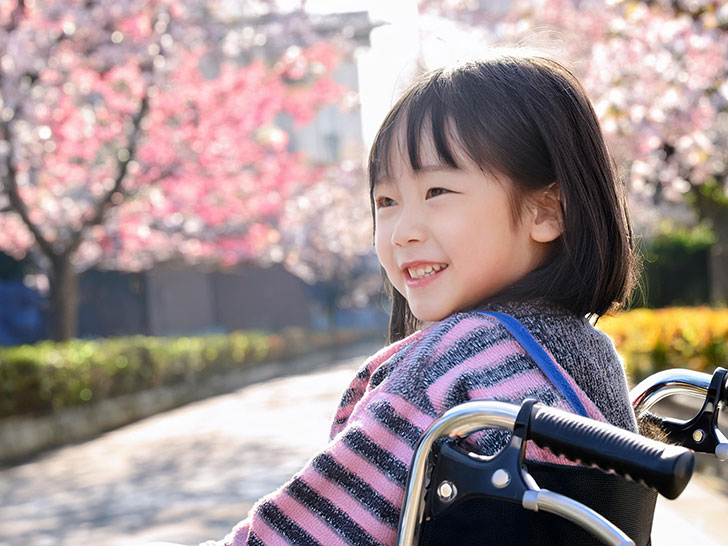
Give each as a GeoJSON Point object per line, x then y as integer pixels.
{"type": "Point", "coordinates": [651, 340]}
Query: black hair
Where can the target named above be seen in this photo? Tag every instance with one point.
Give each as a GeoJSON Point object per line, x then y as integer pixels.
{"type": "Point", "coordinates": [528, 119]}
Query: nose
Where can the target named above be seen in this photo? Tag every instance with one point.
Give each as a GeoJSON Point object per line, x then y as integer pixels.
{"type": "Point", "coordinates": [410, 227]}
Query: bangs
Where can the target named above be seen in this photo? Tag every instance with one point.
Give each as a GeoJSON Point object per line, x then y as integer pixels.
{"type": "Point", "coordinates": [453, 118]}
{"type": "Point", "coordinates": [436, 121]}
{"type": "Point", "coordinates": [418, 125]}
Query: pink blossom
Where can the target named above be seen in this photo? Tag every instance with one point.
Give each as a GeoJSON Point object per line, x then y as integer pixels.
{"type": "Point", "coordinates": [206, 170]}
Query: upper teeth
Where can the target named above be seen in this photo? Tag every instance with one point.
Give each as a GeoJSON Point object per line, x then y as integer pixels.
{"type": "Point", "coordinates": [424, 271]}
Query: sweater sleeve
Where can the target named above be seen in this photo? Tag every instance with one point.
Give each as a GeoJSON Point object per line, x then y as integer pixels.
{"type": "Point", "coordinates": [351, 492]}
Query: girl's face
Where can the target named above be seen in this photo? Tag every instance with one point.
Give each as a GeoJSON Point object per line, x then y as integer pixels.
{"type": "Point", "coordinates": [446, 237]}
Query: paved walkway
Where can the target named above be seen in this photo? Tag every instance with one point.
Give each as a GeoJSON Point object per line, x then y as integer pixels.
{"type": "Point", "coordinates": [190, 474]}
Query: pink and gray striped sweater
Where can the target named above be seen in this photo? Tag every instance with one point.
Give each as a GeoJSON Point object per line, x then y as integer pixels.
{"type": "Point", "coordinates": [351, 492]}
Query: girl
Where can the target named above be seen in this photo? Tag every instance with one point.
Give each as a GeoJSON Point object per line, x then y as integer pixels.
{"type": "Point", "coordinates": [491, 190]}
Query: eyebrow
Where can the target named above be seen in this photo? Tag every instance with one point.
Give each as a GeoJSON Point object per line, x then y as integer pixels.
{"type": "Point", "coordinates": [436, 168]}
{"type": "Point", "coordinates": [383, 181]}
{"type": "Point", "coordinates": [424, 169]}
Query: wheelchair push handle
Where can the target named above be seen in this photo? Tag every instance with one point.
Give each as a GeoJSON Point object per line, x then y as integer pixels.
{"type": "Point", "coordinates": [701, 433]}
{"type": "Point", "coordinates": [665, 468]}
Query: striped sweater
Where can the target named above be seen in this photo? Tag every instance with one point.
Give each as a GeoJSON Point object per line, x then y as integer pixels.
{"type": "Point", "coordinates": [351, 492]}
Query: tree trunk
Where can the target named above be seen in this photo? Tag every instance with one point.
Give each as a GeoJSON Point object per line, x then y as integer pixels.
{"type": "Point", "coordinates": [64, 298]}
{"type": "Point", "coordinates": [717, 213]}
{"type": "Point", "coordinates": [331, 312]}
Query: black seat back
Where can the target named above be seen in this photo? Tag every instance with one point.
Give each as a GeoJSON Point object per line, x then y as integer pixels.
{"type": "Point", "coordinates": [485, 521]}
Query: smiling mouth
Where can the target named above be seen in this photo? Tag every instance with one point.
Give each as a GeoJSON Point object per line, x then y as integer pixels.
{"type": "Point", "coordinates": [422, 272]}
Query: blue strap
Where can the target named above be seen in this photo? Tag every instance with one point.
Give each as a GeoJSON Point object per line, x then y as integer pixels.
{"type": "Point", "coordinates": [541, 358]}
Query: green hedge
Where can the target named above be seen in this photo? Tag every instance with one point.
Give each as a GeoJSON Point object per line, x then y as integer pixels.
{"type": "Point", "coordinates": [45, 377]}
{"type": "Point", "coordinates": [676, 268]}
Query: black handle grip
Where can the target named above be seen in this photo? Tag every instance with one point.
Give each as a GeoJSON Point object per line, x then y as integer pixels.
{"type": "Point", "coordinates": [662, 467]}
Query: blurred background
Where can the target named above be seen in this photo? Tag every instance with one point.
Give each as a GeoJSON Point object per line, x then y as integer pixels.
{"type": "Point", "coordinates": [176, 168]}
{"type": "Point", "coordinates": [183, 191]}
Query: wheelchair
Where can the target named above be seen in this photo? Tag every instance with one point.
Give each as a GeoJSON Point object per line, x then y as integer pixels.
{"type": "Point", "coordinates": [456, 497]}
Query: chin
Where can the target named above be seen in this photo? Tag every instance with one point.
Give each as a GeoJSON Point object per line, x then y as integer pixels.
{"type": "Point", "coordinates": [431, 315]}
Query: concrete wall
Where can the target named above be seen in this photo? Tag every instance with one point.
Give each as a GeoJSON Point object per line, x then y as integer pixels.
{"type": "Point", "coordinates": [183, 300]}
{"type": "Point", "coordinates": [256, 298]}
{"type": "Point", "coordinates": [179, 301]}
{"type": "Point", "coordinates": [112, 304]}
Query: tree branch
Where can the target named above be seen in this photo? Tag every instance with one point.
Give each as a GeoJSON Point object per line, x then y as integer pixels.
{"type": "Point", "coordinates": [16, 16]}
{"type": "Point", "coordinates": [16, 202]}
{"type": "Point", "coordinates": [106, 202]}
{"type": "Point", "coordinates": [10, 181]}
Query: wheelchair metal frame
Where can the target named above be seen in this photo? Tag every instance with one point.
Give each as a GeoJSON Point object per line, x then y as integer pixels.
{"type": "Point", "coordinates": [700, 433]}
{"type": "Point", "coordinates": [464, 420]}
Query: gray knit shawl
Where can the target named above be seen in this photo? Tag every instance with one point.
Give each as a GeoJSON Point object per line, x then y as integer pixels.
{"type": "Point", "coordinates": [586, 353]}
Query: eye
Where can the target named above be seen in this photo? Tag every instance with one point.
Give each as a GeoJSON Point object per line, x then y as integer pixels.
{"type": "Point", "coordinates": [383, 202]}
{"type": "Point", "coordinates": [434, 192]}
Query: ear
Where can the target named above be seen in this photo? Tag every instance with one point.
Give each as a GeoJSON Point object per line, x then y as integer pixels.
{"type": "Point", "coordinates": [546, 215]}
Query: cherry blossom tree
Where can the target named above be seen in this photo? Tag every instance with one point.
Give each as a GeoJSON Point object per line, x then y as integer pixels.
{"type": "Point", "coordinates": [133, 131]}
{"type": "Point", "coordinates": [327, 239]}
{"type": "Point", "coordinates": [657, 71]}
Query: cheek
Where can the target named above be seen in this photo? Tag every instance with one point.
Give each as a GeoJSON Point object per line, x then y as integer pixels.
{"type": "Point", "coordinates": [383, 248]}
{"type": "Point", "coordinates": [380, 246]}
